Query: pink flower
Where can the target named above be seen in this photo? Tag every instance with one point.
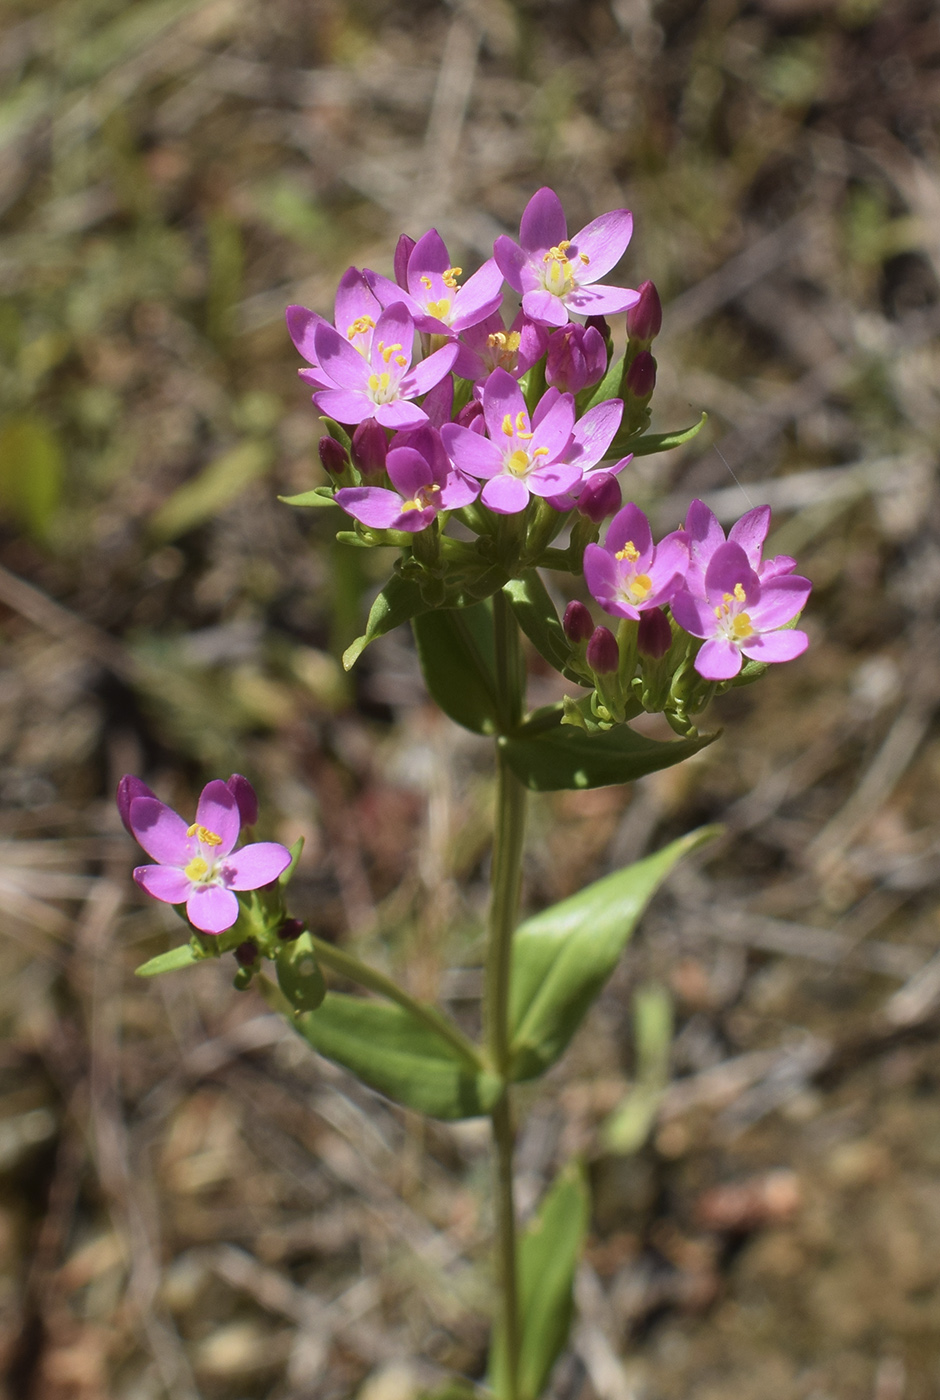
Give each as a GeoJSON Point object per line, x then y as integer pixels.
{"type": "Point", "coordinates": [383, 388]}
{"type": "Point", "coordinates": [590, 439]}
{"type": "Point", "coordinates": [742, 615]}
{"type": "Point", "coordinates": [555, 273]}
{"type": "Point", "coordinates": [431, 288]}
{"type": "Point", "coordinates": [488, 346]}
{"type": "Point", "coordinates": [356, 312]}
{"type": "Point", "coordinates": [423, 480]}
{"type": "Point", "coordinates": [629, 574]}
{"type": "Point", "coordinates": [577, 358]}
{"type": "Point", "coordinates": [705, 535]}
{"type": "Point", "coordinates": [520, 455]}
{"type": "Point", "coordinates": [195, 864]}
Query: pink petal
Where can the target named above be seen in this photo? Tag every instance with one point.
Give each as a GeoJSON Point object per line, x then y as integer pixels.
{"type": "Point", "coordinates": [127, 789]}
{"type": "Point", "coordinates": [218, 812]}
{"type": "Point", "coordinates": [395, 326]}
{"type": "Point", "coordinates": [781, 598]}
{"type": "Point", "coordinates": [693, 614]}
{"type": "Point", "coordinates": [428, 372]}
{"type": "Point", "coordinates": [594, 433]}
{"type": "Point", "coordinates": [507, 495]}
{"type": "Point", "coordinates": [387, 293]}
{"type": "Point", "coordinates": [545, 308]}
{"type": "Point", "coordinates": [630, 525]}
{"type": "Point", "coordinates": [301, 326]}
{"type": "Point", "coordinates": [776, 646]}
{"type": "Point", "coordinates": [728, 568]}
{"type": "Point", "coordinates": [458, 490]}
{"type": "Point", "coordinates": [439, 403]}
{"type": "Point", "coordinates": [605, 241]}
{"type": "Point", "coordinates": [408, 471]}
{"type": "Point", "coordinates": [314, 378]}
{"type": "Point", "coordinates": [161, 831]}
{"type": "Point", "coordinates": [718, 660]}
{"type": "Point", "coordinates": [501, 397]}
{"type": "Point", "coordinates": [345, 405]}
{"type": "Point", "coordinates": [750, 533]}
{"type": "Point", "coordinates": [340, 363]}
{"type": "Point", "coordinates": [554, 429]}
{"type": "Point", "coordinates": [470, 452]}
{"type": "Point", "coordinates": [255, 865]}
{"type": "Point", "coordinates": [354, 298]}
{"type": "Point", "coordinates": [164, 882]}
{"type": "Point", "coordinates": [211, 909]}
{"type": "Point", "coordinates": [600, 300]}
{"type": "Point", "coordinates": [510, 259]}
{"type": "Point", "coordinates": [553, 480]}
{"type": "Point", "coordinates": [399, 414]}
{"type": "Point", "coordinates": [543, 222]}
{"type": "Point", "coordinates": [547, 401]}
{"type": "Point", "coordinates": [602, 576]}
{"type": "Point", "coordinates": [373, 505]}
{"type": "Point", "coordinates": [479, 296]}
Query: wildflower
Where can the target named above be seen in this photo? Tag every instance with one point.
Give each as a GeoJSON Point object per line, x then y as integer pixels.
{"type": "Point", "coordinates": [645, 320]}
{"type": "Point", "coordinates": [603, 654]}
{"type": "Point", "coordinates": [432, 291]}
{"type": "Point", "coordinates": [356, 312]}
{"type": "Point", "coordinates": [599, 497]}
{"type": "Point", "coordinates": [384, 388]}
{"type": "Point", "coordinates": [577, 358]}
{"type": "Point", "coordinates": [704, 536]}
{"type": "Point", "coordinates": [556, 274]}
{"type": "Point", "coordinates": [577, 622]}
{"type": "Point", "coordinates": [423, 483]}
{"type": "Point", "coordinates": [628, 574]}
{"type": "Point", "coordinates": [488, 346]}
{"type": "Point", "coordinates": [590, 439]}
{"type": "Point", "coordinates": [196, 865]}
{"type": "Point", "coordinates": [520, 455]}
{"type": "Point", "coordinates": [742, 615]}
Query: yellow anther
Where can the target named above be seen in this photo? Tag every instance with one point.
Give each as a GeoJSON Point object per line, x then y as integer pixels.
{"type": "Point", "coordinates": [629, 552]}
{"type": "Point", "coordinates": [559, 253]}
{"type": "Point", "coordinates": [521, 421]}
{"type": "Point", "coordinates": [426, 282]}
{"type": "Point", "coordinates": [449, 278]}
{"type": "Point", "coordinates": [540, 452]}
{"type": "Point", "coordinates": [739, 592]}
{"type": "Point", "coordinates": [422, 499]}
{"type": "Point", "coordinates": [379, 383]}
{"type": "Point", "coordinates": [360, 326]}
{"type": "Point", "coordinates": [507, 425]}
{"type": "Point", "coordinates": [207, 837]}
{"type": "Point", "coordinates": [518, 462]}
{"type": "Point", "coordinates": [196, 868]}
{"type": "Point", "coordinates": [584, 258]}
{"type": "Point", "coordinates": [401, 360]}
{"type": "Point", "coordinates": [387, 351]}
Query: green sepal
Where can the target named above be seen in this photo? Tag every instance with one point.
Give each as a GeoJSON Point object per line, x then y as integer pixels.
{"type": "Point", "coordinates": [654, 442]}
{"type": "Point", "coordinates": [568, 757]}
{"type": "Point", "coordinates": [535, 612]}
{"type": "Point", "coordinates": [298, 974]}
{"type": "Point", "coordinates": [184, 956]}
{"type": "Point", "coordinates": [457, 651]}
{"type": "Point", "coordinates": [562, 957]}
{"type": "Point", "coordinates": [296, 850]}
{"type": "Point", "coordinates": [356, 540]}
{"type": "Point", "coordinates": [337, 431]}
{"type": "Point", "coordinates": [390, 1050]}
{"type": "Point", "coordinates": [319, 496]}
{"type": "Point", "coordinates": [399, 601]}
{"type": "Point", "coordinates": [609, 387]}
{"type": "Point", "coordinates": [548, 1254]}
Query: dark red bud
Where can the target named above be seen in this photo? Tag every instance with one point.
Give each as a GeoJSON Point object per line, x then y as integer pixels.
{"type": "Point", "coordinates": [645, 319]}
{"type": "Point", "coordinates": [370, 448]}
{"type": "Point", "coordinates": [291, 929]}
{"type": "Point", "coordinates": [246, 798]}
{"type": "Point", "coordinates": [641, 376]}
{"type": "Point", "coordinates": [600, 496]}
{"type": "Point", "coordinates": [654, 635]}
{"type": "Point", "coordinates": [469, 413]}
{"type": "Point", "coordinates": [246, 953]}
{"type": "Point", "coordinates": [577, 622]}
{"type": "Point", "coordinates": [127, 789]}
{"type": "Point", "coordinates": [403, 250]}
{"type": "Point", "coordinates": [598, 323]}
{"type": "Point", "coordinates": [332, 455]}
{"type": "Point", "coordinates": [603, 654]}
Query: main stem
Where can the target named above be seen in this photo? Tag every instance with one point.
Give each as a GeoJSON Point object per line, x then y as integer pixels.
{"type": "Point", "coordinates": [506, 877]}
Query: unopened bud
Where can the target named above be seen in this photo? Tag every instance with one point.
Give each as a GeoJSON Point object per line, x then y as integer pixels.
{"type": "Point", "coordinates": [470, 414]}
{"type": "Point", "coordinates": [403, 250]}
{"type": "Point", "coordinates": [290, 929]}
{"type": "Point", "coordinates": [370, 448]}
{"type": "Point", "coordinates": [600, 496]}
{"type": "Point", "coordinates": [246, 953]}
{"type": "Point", "coordinates": [645, 319]}
{"type": "Point", "coordinates": [577, 622]}
{"type": "Point", "coordinates": [577, 358]}
{"type": "Point", "coordinates": [332, 455]}
{"type": "Point", "coordinates": [603, 654]}
{"type": "Point", "coordinates": [599, 323]}
{"type": "Point", "coordinates": [246, 798]}
{"type": "Point", "coordinates": [128, 788]}
{"type": "Point", "coordinates": [654, 635]}
{"type": "Point", "coordinates": [641, 376]}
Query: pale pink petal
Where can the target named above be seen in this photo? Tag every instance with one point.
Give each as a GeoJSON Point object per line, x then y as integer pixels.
{"type": "Point", "coordinates": [399, 414]}
{"type": "Point", "coordinates": [479, 296]}
{"type": "Point", "coordinates": [340, 364]}
{"type": "Point", "coordinates": [543, 222]}
{"type": "Point", "coordinates": [164, 882]}
{"type": "Point", "coordinates": [354, 299]}
{"type": "Point", "coordinates": [458, 490]}
{"type": "Point", "coordinates": [429, 372]}
{"type": "Point", "coordinates": [545, 308]}
{"type": "Point", "coordinates": [218, 812]}
{"type": "Point", "coordinates": [470, 452]}
{"type": "Point", "coordinates": [301, 326]}
{"type": "Point", "coordinates": [502, 397]}
{"type": "Point", "coordinates": [507, 495]}
{"type": "Point", "coordinates": [345, 405]}
{"type": "Point", "coordinates": [781, 598]}
{"type": "Point", "coordinates": [161, 831]}
{"type": "Point", "coordinates": [314, 378]}
{"type": "Point", "coordinates": [395, 326]}
{"type": "Point", "coordinates": [255, 865]}
{"type": "Point", "coordinates": [600, 300]}
{"type": "Point", "coordinates": [631, 526]}
{"type": "Point", "coordinates": [604, 240]}
{"type": "Point", "coordinates": [510, 259]}
{"type": "Point", "coordinates": [727, 568]}
{"type": "Point", "coordinates": [554, 429]}
{"type": "Point", "coordinates": [373, 505]}
{"type": "Point", "coordinates": [387, 293]}
{"type": "Point", "coordinates": [408, 471]}
{"type": "Point", "coordinates": [553, 480]}
{"type": "Point", "coordinates": [594, 433]}
{"type": "Point", "coordinates": [750, 532]}
{"type": "Point", "coordinates": [547, 401]}
{"type": "Point", "coordinates": [693, 614]}
{"type": "Point", "coordinates": [718, 660]}
{"type": "Point", "coordinates": [776, 646]}
{"type": "Point", "coordinates": [602, 576]}
{"type": "Point", "coordinates": [211, 909]}
{"type": "Point", "coordinates": [439, 402]}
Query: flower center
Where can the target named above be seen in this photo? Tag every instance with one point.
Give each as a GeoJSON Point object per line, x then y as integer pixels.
{"type": "Point", "coordinates": [422, 498]}
{"type": "Point", "coordinates": [381, 388]}
{"type": "Point", "coordinates": [360, 326]}
{"type": "Point", "coordinates": [197, 869]}
{"type": "Point", "coordinates": [735, 626]}
{"type": "Point", "coordinates": [207, 837]}
{"type": "Point", "coordinates": [504, 344]}
{"type": "Point", "coordinates": [558, 276]}
{"type": "Point", "coordinates": [638, 588]}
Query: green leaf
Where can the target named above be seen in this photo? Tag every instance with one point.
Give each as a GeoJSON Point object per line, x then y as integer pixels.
{"type": "Point", "coordinates": [184, 956]}
{"type": "Point", "coordinates": [298, 974]}
{"type": "Point", "coordinates": [536, 615]}
{"type": "Point", "coordinates": [32, 471]}
{"type": "Point", "coordinates": [319, 496]}
{"type": "Point", "coordinates": [562, 957]}
{"type": "Point", "coordinates": [548, 1257]}
{"type": "Point", "coordinates": [456, 649]}
{"type": "Point", "coordinates": [609, 387]}
{"type": "Point", "coordinates": [567, 757]}
{"type": "Point", "coordinates": [399, 601]}
{"type": "Point", "coordinates": [654, 442]}
{"type": "Point", "coordinates": [212, 490]}
{"type": "Point", "coordinates": [631, 1122]}
{"type": "Point", "coordinates": [405, 1059]}
{"type": "Point", "coordinates": [296, 851]}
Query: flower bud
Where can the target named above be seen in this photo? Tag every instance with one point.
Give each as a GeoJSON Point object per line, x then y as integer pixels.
{"type": "Point", "coordinates": [469, 414]}
{"type": "Point", "coordinates": [603, 653]}
{"type": "Point", "coordinates": [645, 319]}
{"type": "Point", "coordinates": [641, 376]}
{"type": "Point", "coordinates": [577, 622]}
{"type": "Point", "coordinates": [290, 929]}
{"type": "Point", "coordinates": [599, 323]}
{"type": "Point", "coordinates": [246, 798]}
{"type": "Point", "coordinates": [246, 953]}
{"type": "Point", "coordinates": [370, 448]}
{"type": "Point", "coordinates": [600, 496]}
{"type": "Point", "coordinates": [403, 250]}
{"type": "Point", "coordinates": [332, 455]}
{"type": "Point", "coordinates": [654, 635]}
{"type": "Point", "coordinates": [127, 789]}
{"type": "Point", "coordinates": [577, 358]}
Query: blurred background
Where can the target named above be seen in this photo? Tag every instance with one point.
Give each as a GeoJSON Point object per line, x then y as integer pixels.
{"type": "Point", "coordinates": [195, 1205]}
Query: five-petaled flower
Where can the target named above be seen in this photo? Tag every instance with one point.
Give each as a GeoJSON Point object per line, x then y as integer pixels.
{"type": "Point", "coordinates": [356, 312]}
{"type": "Point", "coordinates": [432, 290]}
{"type": "Point", "coordinates": [557, 274]}
{"type": "Point", "coordinates": [628, 573]}
{"type": "Point", "coordinates": [196, 864]}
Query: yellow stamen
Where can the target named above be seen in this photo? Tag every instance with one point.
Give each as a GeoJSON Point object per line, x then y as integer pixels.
{"type": "Point", "coordinates": [207, 837]}
{"type": "Point", "coordinates": [584, 258]}
{"type": "Point", "coordinates": [507, 425]}
{"type": "Point", "coordinates": [640, 587]}
{"type": "Point", "coordinates": [379, 383]}
{"type": "Point", "coordinates": [439, 309]}
{"type": "Point", "coordinates": [518, 462]}
{"type": "Point", "coordinates": [540, 452]}
{"type": "Point", "coordinates": [360, 326]}
{"type": "Point", "coordinates": [741, 627]}
{"type": "Point", "coordinates": [387, 351]}
{"type": "Point", "coordinates": [449, 278]}
{"type": "Point", "coordinates": [739, 592]}
{"type": "Point", "coordinates": [401, 360]}
{"type": "Point", "coordinates": [426, 282]}
{"type": "Point", "coordinates": [629, 552]}
{"type": "Point", "coordinates": [559, 253]}
{"type": "Point", "coordinates": [196, 868]}
{"type": "Point", "coordinates": [521, 421]}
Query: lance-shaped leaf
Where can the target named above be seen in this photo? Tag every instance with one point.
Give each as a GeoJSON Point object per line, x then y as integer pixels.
{"type": "Point", "coordinates": [567, 757]}
{"type": "Point", "coordinates": [547, 1259]}
{"type": "Point", "coordinates": [399, 601]}
{"type": "Point", "coordinates": [184, 956]}
{"type": "Point", "coordinates": [654, 442]}
{"type": "Point", "coordinates": [319, 496]}
{"type": "Point", "coordinates": [562, 957]}
{"type": "Point", "coordinates": [456, 649]}
{"type": "Point", "coordinates": [389, 1049]}
{"type": "Point", "coordinates": [298, 974]}
{"type": "Point", "coordinates": [536, 615]}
